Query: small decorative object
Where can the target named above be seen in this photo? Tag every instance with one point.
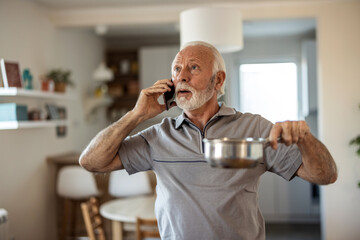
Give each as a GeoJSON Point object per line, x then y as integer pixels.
{"type": "Point", "coordinates": [53, 113]}
{"type": "Point", "coordinates": [133, 87]}
{"type": "Point", "coordinates": [356, 141]}
{"type": "Point", "coordinates": [10, 74]}
{"type": "Point", "coordinates": [134, 67]}
{"type": "Point", "coordinates": [27, 78]}
{"type": "Point", "coordinates": [115, 89]}
{"type": "Point", "coordinates": [47, 84]}
{"type": "Point", "coordinates": [101, 90]}
{"type": "Point", "coordinates": [125, 66]}
{"type": "Point", "coordinates": [61, 79]}
{"type": "Point", "coordinates": [61, 130]}
{"type": "Point", "coordinates": [34, 115]}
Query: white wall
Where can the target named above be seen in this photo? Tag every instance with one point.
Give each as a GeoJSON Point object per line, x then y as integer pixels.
{"type": "Point", "coordinates": [27, 36]}
{"type": "Point", "coordinates": [338, 37]}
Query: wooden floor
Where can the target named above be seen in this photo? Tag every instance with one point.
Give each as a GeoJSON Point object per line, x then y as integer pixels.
{"type": "Point", "coordinates": [283, 231]}
{"type": "Point", "coordinates": [274, 231]}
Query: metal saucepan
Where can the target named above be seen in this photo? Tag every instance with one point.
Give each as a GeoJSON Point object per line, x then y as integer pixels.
{"type": "Point", "coordinates": [234, 153]}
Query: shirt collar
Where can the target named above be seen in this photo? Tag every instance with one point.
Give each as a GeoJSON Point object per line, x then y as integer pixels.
{"type": "Point", "coordinates": [223, 111]}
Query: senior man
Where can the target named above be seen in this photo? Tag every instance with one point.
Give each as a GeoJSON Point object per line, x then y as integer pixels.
{"type": "Point", "coordinates": [194, 200]}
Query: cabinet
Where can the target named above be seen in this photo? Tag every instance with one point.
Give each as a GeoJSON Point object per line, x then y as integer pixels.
{"type": "Point", "coordinates": [124, 88]}
{"type": "Point", "coordinates": [35, 98]}
{"type": "Point", "coordinates": [135, 70]}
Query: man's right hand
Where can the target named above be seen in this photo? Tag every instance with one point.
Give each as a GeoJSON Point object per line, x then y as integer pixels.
{"type": "Point", "coordinates": [147, 105]}
{"type": "Point", "coordinates": [101, 155]}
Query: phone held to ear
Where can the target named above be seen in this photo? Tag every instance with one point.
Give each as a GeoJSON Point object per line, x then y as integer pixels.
{"type": "Point", "coordinates": [169, 97]}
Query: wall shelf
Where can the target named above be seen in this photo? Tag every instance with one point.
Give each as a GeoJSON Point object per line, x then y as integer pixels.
{"type": "Point", "coordinates": [19, 93]}
{"type": "Point", "coordinates": [32, 124]}
{"type": "Point", "coordinates": [12, 91]}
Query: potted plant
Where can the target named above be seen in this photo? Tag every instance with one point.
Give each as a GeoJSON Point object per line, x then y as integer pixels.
{"type": "Point", "coordinates": [356, 141]}
{"type": "Point", "coordinates": [61, 79]}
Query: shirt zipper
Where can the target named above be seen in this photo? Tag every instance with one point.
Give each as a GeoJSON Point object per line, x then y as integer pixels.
{"type": "Point", "coordinates": [202, 133]}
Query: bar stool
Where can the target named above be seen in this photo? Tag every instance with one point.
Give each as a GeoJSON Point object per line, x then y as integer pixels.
{"type": "Point", "coordinates": [121, 184]}
{"type": "Point", "coordinates": [74, 185]}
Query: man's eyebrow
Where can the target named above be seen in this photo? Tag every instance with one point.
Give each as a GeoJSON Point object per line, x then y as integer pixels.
{"type": "Point", "coordinates": [191, 60]}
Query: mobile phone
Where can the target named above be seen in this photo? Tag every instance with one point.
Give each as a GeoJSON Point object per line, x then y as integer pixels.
{"type": "Point", "coordinates": [169, 97]}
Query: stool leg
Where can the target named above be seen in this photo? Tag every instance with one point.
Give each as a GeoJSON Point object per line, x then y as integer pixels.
{"type": "Point", "coordinates": [65, 218]}
{"type": "Point", "coordinates": [73, 218]}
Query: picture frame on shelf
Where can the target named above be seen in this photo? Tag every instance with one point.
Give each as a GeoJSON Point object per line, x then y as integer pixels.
{"type": "Point", "coordinates": [52, 111]}
{"type": "Point", "coordinates": [61, 130]}
{"type": "Point", "coordinates": [10, 74]}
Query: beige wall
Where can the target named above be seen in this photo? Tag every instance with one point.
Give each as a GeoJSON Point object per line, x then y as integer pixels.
{"type": "Point", "coordinates": [338, 35]}
{"type": "Point", "coordinates": [339, 63]}
{"type": "Point", "coordinates": [27, 36]}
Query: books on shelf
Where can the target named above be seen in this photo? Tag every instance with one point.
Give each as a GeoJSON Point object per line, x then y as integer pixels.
{"type": "Point", "coordinates": [13, 112]}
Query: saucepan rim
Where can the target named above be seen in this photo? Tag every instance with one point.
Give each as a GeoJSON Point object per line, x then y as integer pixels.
{"type": "Point", "coordinates": [235, 140]}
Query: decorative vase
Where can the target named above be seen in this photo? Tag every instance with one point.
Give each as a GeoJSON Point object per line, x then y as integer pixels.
{"type": "Point", "coordinates": [60, 87]}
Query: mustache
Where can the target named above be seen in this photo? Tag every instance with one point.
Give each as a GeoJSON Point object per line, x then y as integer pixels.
{"type": "Point", "coordinates": [184, 86]}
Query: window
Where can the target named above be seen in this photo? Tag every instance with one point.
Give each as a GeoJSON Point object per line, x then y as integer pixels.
{"type": "Point", "coordinates": [269, 89]}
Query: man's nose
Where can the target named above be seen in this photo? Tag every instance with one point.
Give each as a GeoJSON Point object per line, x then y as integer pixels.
{"type": "Point", "coordinates": [183, 76]}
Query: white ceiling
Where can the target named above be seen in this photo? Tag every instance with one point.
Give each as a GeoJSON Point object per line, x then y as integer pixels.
{"type": "Point", "coordinates": [250, 28]}
{"type": "Point", "coordinates": [67, 4]}
{"type": "Point", "coordinates": [260, 28]}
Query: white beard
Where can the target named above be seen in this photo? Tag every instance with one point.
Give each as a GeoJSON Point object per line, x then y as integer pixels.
{"type": "Point", "coordinates": [198, 98]}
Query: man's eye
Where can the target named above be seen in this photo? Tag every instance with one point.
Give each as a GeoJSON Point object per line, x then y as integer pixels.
{"type": "Point", "coordinates": [194, 67]}
{"type": "Point", "coordinates": [177, 69]}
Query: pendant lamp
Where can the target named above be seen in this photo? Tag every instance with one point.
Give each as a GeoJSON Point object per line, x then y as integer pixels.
{"type": "Point", "coordinates": [102, 73]}
{"type": "Point", "coordinates": [221, 27]}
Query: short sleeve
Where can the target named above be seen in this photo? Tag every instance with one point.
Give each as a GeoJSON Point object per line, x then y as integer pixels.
{"type": "Point", "coordinates": [135, 154]}
{"type": "Point", "coordinates": [284, 161]}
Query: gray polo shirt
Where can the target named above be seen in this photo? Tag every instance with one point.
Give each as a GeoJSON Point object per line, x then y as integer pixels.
{"type": "Point", "coordinates": [194, 200]}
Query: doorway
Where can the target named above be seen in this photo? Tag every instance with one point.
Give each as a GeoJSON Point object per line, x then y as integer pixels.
{"type": "Point", "coordinates": [275, 76]}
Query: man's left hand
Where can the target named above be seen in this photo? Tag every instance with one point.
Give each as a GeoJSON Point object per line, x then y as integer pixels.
{"type": "Point", "coordinates": [289, 132]}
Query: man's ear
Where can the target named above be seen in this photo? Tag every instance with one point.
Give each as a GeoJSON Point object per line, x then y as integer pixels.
{"type": "Point", "coordinates": [220, 78]}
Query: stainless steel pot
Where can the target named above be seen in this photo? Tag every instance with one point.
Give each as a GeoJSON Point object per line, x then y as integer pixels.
{"type": "Point", "coordinates": [234, 153]}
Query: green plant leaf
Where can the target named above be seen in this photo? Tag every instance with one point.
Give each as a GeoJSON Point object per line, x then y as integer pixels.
{"type": "Point", "coordinates": [60, 76]}
{"type": "Point", "coordinates": [355, 141]}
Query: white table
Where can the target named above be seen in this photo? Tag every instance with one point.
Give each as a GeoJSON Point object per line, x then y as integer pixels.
{"type": "Point", "coordinates": [126, 210]}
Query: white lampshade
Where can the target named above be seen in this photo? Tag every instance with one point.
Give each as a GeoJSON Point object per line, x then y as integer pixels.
{"type": "Point", "coordinates": [221, 27]}
{"type": "Point", "coordinates": [103, 73]}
